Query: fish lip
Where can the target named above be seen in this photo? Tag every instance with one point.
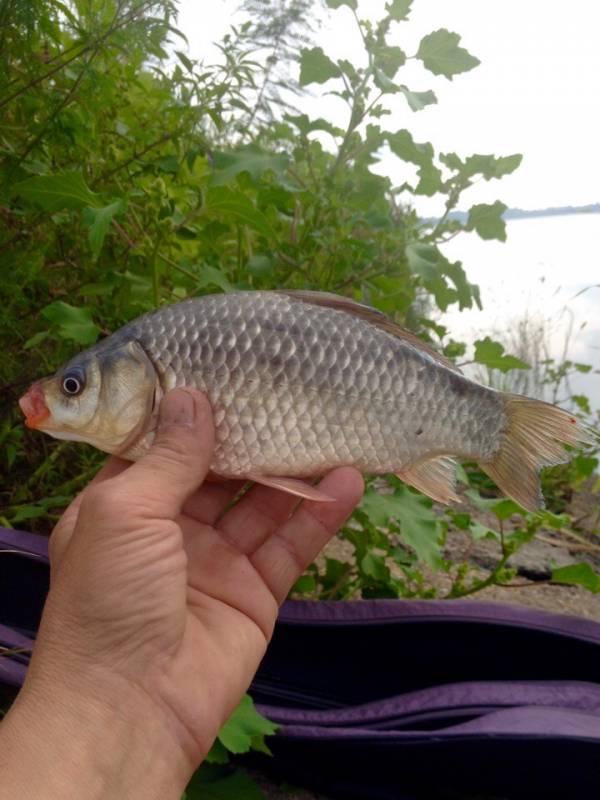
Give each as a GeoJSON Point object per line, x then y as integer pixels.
{"type": "Point", "coordinates": [33, 405]}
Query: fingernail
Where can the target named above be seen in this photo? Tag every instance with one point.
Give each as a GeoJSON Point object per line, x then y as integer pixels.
{"type": "Point", "coordinates": [178, 408]}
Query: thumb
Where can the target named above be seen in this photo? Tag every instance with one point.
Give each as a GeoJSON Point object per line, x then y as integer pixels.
{"type": "Point", "coordinates": [180, 457]}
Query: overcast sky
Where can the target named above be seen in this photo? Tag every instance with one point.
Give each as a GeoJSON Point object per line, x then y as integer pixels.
{"type": "Point", "coordinates": [537, 91]}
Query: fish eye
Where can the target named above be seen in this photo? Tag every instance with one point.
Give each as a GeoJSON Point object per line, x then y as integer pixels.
{"type": "Point", "coordinates": [73, 383]}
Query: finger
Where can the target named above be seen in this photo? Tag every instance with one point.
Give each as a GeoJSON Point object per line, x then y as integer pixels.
{"type": "Point", "coordinates": [208, 503]}
{"type": "Point", "coordinates": [286, 554]}
{"type": "Point", "coordinates": [178, 460]}
{"type": "Point", "coordinates": [257, 515]}
{"type": "Point", "coordinates": [63, 530]}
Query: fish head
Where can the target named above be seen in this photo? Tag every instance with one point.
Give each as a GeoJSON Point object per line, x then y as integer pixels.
{"type": "Point", "coordinates": [104, 396]}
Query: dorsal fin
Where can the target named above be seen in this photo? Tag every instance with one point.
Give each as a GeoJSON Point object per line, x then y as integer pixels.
{"type": "Point", "coordinates": [369, 314]}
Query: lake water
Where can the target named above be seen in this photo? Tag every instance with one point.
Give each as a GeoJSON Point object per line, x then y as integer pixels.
{"type": "Point", "coordinates": [540, 272]}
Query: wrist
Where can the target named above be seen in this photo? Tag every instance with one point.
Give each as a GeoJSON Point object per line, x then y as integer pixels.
{"type": "Point", "coordinates": [61, 742]}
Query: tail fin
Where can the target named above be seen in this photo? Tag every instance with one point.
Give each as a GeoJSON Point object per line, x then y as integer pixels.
{"type": "Point", "coordinates": [533, 439]}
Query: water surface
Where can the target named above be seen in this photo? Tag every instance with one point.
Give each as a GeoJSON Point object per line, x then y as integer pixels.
{"type": "Point", "coordinates": [542, 272]}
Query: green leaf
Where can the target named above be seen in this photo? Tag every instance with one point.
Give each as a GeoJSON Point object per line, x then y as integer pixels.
{"type": "Point", "coordinates": [375, 567]}
{"type": "Point", "coordinates": [306, 584]}
{"type": "Point", "coordinates": [55, 192]}
{"type": "Point", "coordinates": [211, 276]}
{"type": "Point", "coordinates": [556, 521]}
{"type": "Point", "coordinates": [486, 220]}
{"type": "Point", "coordinates": [403, 145]}
{"type": "Point", "coordinates": [430, 180]}
{"type": "Point", "coordinates": [337, 3]}
{"type": "Point", "coordinates": [443, 294]}
{"type": "Point", "coordinates": [585, 466]}
{"type": "Point", "coordinates": [479, 531]}
{"type": "Point", "coordinates": [72, 323]}
{"type": "Point", "coordinates": [418, 100]}
{"type": "Point", "coordinates": [335, 571]}
{"type": "Point", "coordinates": [419, 525]}
{"type": "Point", "coordinates": [398, 10]}
{"type": "Point", "coordinates": [452, 161]}
{"type": "Point", "coordinates": [349, 70]}
{"type": "Point", "coordinates": [244, 725]}
{"type": "Point", "coordinates": [455, 349]}
{"type": "Point", "coordinates": [491, 166]}
{"type": "Point", "coordinates": [423, 259]}
{"type": "Point", "coordinates": [36, 339]}
{"type": "Point", "coordinates": [384, 83]}
{"type": "Point", "coordinates": [578, 575]}
{"type": "Point", "coordinates": [426, 260]}
{"type": "Point", "coordinates": [39, 509]}
{"type": "Point", "coordinates": [582, 402]}
{"type": "Point", "coordinates": [585, 368]}
{"type": "Point", "coordinates": [316, 67]}
{"type": "Point", "coordinates": [236, 786]}
{"type": "Point", "coordinates": [222, 201]}
{"type": "Point", "coordinates": [502, 508]}
{"type": "Point", "coordinates": [250, 159]}
{"type": "Point", "coordinates": [440, 54]}
{"type": "Point", "coordinates": [505, 508]}
{"type": "Point", "coordinates": [465, 291]}
{"type": "Point", "coordinates": [306, 125]}
{"type": "Point", "coordinates": [217, 754]}
{"type": "Point", "coordinates": [27, 512]}
{"type": "Point", "coordinates": [389, 59]}
{"type": "Point", "coordinates": [98, 220]}
{"type": "Point", "coordinates": [491, 354]}
{"type": "Point", "coordinates": [184, 60]}
{"type": "Point", "coordinates": [461, 520]}
{"type": "Point", "coordinates": [169, 164]}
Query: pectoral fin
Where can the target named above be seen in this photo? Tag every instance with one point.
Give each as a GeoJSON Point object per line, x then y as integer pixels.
{"type": "Point", "coordinates": [292, 486]}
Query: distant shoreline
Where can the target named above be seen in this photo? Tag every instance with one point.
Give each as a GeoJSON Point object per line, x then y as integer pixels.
{"type": "Point", "coordinates": [520, 213]}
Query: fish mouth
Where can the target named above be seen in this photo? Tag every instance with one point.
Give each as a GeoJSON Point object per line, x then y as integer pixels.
{"type": "Point", "coordinates": [33, 405]}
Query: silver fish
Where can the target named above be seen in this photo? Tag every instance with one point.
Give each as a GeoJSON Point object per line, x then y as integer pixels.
{"type": "Point", "coordinates": [299, 383]}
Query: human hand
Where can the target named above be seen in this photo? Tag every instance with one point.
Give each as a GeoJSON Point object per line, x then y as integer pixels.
{"type": "Point", "coordinates": [162, 603]}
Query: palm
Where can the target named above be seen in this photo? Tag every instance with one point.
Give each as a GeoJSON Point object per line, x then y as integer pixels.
{"type": "Point", "coordinates": [197, 597]}
{"type": "Point", "coordinates": [241, 565]}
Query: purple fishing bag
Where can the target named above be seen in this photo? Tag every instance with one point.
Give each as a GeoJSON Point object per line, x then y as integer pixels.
{"type": "Point", "coordinates": [398, 699]}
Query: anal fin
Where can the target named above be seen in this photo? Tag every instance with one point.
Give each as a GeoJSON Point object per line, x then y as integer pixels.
{"type": "Point", "coordinates": [292, 486]}
{"type": "Point", "coordinates": [435, 477]}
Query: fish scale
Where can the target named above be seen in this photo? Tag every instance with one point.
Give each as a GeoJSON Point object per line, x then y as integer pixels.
{"type": "Point", "coordinates": [297, 389]}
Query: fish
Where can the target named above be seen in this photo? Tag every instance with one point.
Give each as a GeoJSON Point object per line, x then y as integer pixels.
{"type": "Point", "coordinates": [301, 382]}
